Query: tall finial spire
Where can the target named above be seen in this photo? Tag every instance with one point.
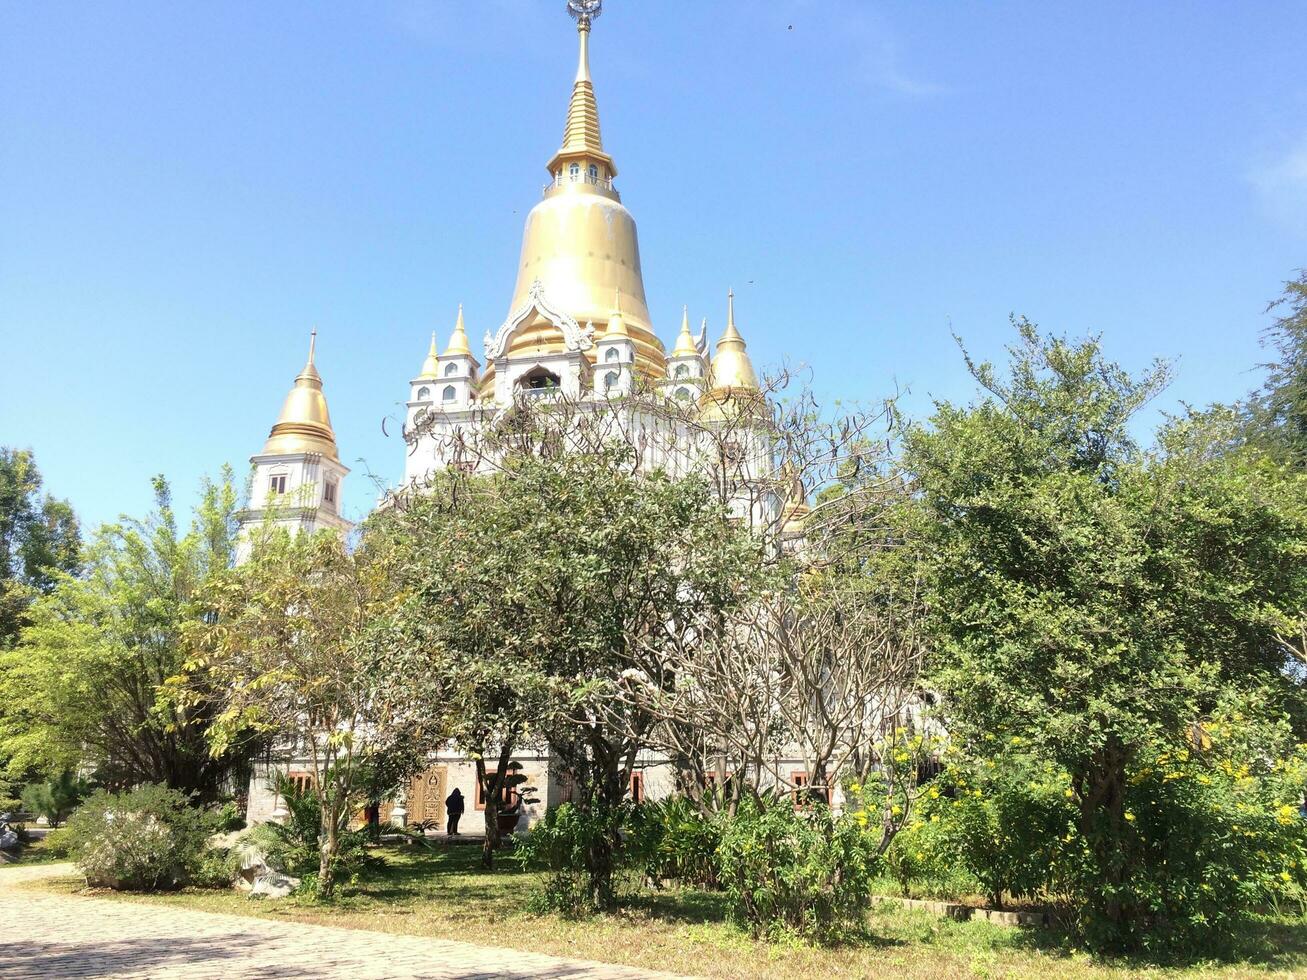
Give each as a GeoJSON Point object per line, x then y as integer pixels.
{"type": "Point", "coordinates": [431, 365]}
{"type": "Point", "coordinates": [310, 370]}
{"type": "Point", "coordinates": [582, 143]}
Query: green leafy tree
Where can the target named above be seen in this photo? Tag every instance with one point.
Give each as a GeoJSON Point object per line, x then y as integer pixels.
{"type": "Point", "coordinates": [1276, 414]}
{"type": "Point", "coordinates": [1092, 599]}
{"type": "Point", "coordinates": [38, 539]}
{"type": "Point", "coordinates": [295, 650]}
{"type": "Point", "coordinates": [87, 686]}
{"type": "Point", "coordinates": [538, 592]}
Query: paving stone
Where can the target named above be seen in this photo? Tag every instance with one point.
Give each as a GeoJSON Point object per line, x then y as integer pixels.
{"type": "Point", "coordinates": [49, 935]}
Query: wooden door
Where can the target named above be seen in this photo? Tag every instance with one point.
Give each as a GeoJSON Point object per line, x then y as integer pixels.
{"type": "Point", "coordinates": [426, 796]}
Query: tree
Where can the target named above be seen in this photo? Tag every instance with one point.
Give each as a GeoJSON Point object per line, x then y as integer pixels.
{"type": "Point", "coordinates": [1276, 414]}
{"type": "Point", "coordinates": [87, 685]}
{"type": "Point", "coordinates": [545, 583]}
{"type": "Point", "coordinates": [295, 650]}
{"type": "Point", "coordinates": [38, 540]}
{"type": "Point", "coordinates": [1090, 599]}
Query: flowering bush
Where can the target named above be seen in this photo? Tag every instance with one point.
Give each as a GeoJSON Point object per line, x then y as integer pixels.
{"type": "Point", "coordinates": [1003, 820]}
{"type": "Point", "coordinates": [143, 840]}
{"type": "Point", "coordinates": [1212, 833]}
{"type": "Point", "coordinates": [795, 872]}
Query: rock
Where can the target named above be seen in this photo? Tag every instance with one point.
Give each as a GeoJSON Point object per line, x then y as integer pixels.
{"type": "Point", "coordinates": [8, 840]}
{"type": "Point", "coordinates": [273, 884]}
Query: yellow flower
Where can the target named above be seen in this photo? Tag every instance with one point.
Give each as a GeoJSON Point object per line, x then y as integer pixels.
{"type": "Point", "coordinates": [1069, 794]}
{"type": "Point", "coordinates": [1129, 815]}
{"type": "Point", "coordinates": [934, 818]}
{"type": "Point", "coordinates": [921, 856]}
{"type": "Point", "coordinates": [1016, 739]}
{"type": "Point", "coordinates": [1285, 876]}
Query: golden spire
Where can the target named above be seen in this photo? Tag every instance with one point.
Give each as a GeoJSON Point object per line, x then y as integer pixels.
{"type": "Point", "coordinates": [304, 425]}
{"type": "Point", "coordinates": [431, 366]}
{"type": "Point", "coordinates": [684, 342]}
{"type": "Point", "coordinates": [616, 322]}
{"type": "Point", "coordinates": [458, 339]}
{"type": "Point", "coordinates": [731, 367]}
{"type": "Point", "coordinates": [581, 139]}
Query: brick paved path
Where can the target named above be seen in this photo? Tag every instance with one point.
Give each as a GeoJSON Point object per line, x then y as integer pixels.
{"type": "Point", "coordinates": [45, 935]}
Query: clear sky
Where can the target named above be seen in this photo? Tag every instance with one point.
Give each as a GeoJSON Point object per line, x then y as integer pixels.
{"type": "Point", "coordinates": [186, 189]}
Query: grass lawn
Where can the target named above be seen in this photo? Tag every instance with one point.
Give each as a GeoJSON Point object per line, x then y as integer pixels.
{"type": "Point", "coordinates": [34, 853]}
{"type": "Point", "coordinates": [441, 893]}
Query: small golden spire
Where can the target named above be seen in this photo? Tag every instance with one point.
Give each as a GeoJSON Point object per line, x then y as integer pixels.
{"type": "Point", "coordinates": [731, 367]}
{"type": "Point", "coordinates": [616, 322]}
{"type": "Point", "coordinates": [304, 425]}
{"type": "Point", "coordinates": [458, 339]}
{"type": "Point", "coordinates": [430, 366]}
{"type": "Point", "coordinates": [684, 341]}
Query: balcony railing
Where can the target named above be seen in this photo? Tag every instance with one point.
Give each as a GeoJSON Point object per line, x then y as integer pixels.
{"type": "Point", "coordinates": [562, 180]}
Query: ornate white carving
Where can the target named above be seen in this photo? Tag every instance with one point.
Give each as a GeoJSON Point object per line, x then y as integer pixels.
{"type": "Point", "coordinates": [574, 338]}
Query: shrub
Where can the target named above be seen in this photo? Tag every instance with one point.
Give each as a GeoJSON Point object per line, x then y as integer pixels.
{"type": "Point", "coordinates": [563, 844]}
{"type": "Point", "coordinates": [292, 847]}
{"type": "Point", "coordinates": [1002, 820]}
{"type": "Point", "coordinates": [217, 867]}
{"type": "Point", "coordinates": [143, 840]}
{"type": "Point", "coordinates": [917, 855]}
{"type": "Point", "coordinates": [56, 798]}
{"type": "Point", "coordinates": [1213, 834]}
{"type": "Point", "coordinates": [687, 844]}
{"type": "Point", "coordinates": [56, 843]}
{"type": "Point", "coordinates": [792, 872]}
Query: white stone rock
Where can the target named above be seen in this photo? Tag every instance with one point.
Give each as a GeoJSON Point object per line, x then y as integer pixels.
{"type": "Point", "coordinates": [273, 884]}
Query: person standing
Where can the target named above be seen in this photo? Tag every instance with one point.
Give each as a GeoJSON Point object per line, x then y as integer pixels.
{"type": "Point", "coordinates": [453, 810]}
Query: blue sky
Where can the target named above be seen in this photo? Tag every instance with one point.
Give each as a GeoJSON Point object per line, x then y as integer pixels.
{"type": "Point", "coordinates": [186, 189]}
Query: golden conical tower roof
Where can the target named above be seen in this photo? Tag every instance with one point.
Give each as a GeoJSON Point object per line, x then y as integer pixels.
{"type": "Point", "coordinates": [581, 138]}
{"type": "Point", "coordinates": [458, 339]}
{"type": "Point", "coordinates": [579, 243]}
{"type": "Point", "coordinates": [304, 425]}
{"type": "Point", "coordinates": [431, 366]}
{"type": "Point", "coordinates": [684, 341]}
{"type": "Point", "coordinates": [731, 367]}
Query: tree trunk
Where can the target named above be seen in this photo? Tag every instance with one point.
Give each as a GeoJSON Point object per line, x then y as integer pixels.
{"type": "Point", "coordinates": [328, 842]}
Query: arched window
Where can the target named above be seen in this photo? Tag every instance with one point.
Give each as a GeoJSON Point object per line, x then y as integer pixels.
{"type": "Point", "coordinates": [574, 171]}
{"type": "Point", "coordinates": [682, 371]}
{"type": "Point", "coordinates": [612, 354]}
{"type": "Point", "coordinates": [610, 381]}
{"type": "Point", "coordinates": [449, 394]}
{"type": "Point", "coordinates": [450, 370]}
{"type": "Point", "coordinates": [594, 174]}
{"type": "Point", "coordinates": [683, 394]}
{"type": "Point", "coordinates": [538, 378]}
{"type": "Point", "coordinates": [423, 394]}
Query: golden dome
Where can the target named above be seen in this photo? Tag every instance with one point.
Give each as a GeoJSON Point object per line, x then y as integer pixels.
{"type": "Point", "coordinates": [733, 387]}
{"type": "Point", "coordinates": [581, 244]}
{"type": "Point", "coordinates": [684, 342]}
{"type": "Point", "coordinates": [304, 425]}
{"type": "Point", "coordinates": [431, 366]}
{"type": "Point", "coordinates": [458, 339]}
{"type": "Point", "coordinates": [731, 367]}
